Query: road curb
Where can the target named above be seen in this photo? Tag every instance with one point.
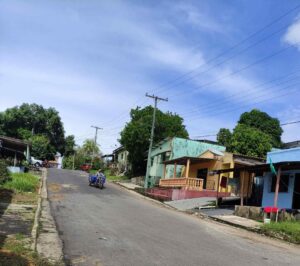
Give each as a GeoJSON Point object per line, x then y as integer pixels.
{"type": "Point", "coordinates": [48, 243]}
{"type": "Point", "coordinates": [34, 231]}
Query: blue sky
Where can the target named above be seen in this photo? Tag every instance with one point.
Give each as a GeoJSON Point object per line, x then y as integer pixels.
{"type": "Point", "coordinates": [94, 60]}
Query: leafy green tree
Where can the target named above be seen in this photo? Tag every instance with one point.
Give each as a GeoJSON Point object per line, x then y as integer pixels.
{"type": "Point", "coordinates": [41, 147]}
{"type": "Point", "coordinates": [250, 141]}
{"type": "Point", "coordinates": [88, 153]}
{"type": "Point", "coordinates": [136, 134]}
{"type": "Point", "coordinates": [69, 145]}
{"type": "Point", "coordinates": [265, 123]}
{"type": "Point", "coordinates": [224, 137]}
{"type": "Point", "coordinates": [90, 148]}
{"type": "Point", "coordinates": [29, 120]}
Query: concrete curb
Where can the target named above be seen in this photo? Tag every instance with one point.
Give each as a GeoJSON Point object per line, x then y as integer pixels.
{"type": "Point", "coordinates": [48, 243]}
{"type": "Point", "coordinates": [34, 231]}
{"type": "Point", "coordinates": [255, 230]}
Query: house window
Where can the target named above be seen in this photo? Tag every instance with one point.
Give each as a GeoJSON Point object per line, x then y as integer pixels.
{"type": "Point", "coordinates": [283, 185]}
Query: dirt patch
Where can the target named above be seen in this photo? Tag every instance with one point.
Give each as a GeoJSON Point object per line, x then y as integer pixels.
{"type": "Point", "coordinates": [54, 187]}
{"type": "Point", "coordinates": [56, 197]}
{"type": "Point", "coordinates": [9, 196]}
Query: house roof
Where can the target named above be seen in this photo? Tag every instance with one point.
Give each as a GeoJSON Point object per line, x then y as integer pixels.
{"type": "Point", "coordinates": [12, 146]}
{"type": "Point", "coordinates": [14, 141]}
{"type": "Point", "coordinates": [247, 160]}
{"type": "Point", "coordinates": [263, 167]}
{"type": "Point", "coordinates": [121, 148]}
{"type": "Point", "coordinates": [183, 160]}
{"type": "Point", "coordinates": [214, 151]}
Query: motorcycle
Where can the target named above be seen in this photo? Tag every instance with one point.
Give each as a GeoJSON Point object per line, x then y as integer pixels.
{"type": "Point", "coordinates": [97, 180]}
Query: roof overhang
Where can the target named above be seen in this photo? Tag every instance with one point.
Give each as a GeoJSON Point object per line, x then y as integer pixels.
{"type": "Point", "coordinates": [285, 166]}
{"type": "Point", "coordinates": [183, 160]}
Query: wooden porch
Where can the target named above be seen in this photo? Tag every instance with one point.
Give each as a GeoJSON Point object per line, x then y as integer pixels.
{"type": "Point", "coordinates": [182, 182]}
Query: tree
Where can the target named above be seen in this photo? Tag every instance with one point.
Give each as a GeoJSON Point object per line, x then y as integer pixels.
{"type": "Point", "coordinates": [135, 136]}
{"type": "Point", "coordinates": [90, 148]}
{"type": "Point", "coordinates": [29, 120]}
{"type": "Point", "coordinates": [88, 153]}
{"type": "Point", "coordinates": [69, 145]}
{"type": "Point", "coordinates": [41, 147]}
{"type": "Point", "coordinates": [224, 137]}
{"type": "Point", "coordinates": [250, 141]}
{"type": "Point", "coordinates": [265, 123]}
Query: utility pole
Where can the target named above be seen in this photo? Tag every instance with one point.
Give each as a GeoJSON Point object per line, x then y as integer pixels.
{"type": "Point", "coordinates": [96, 135]}
{"type": "Point", "coordinates": [156, 99]}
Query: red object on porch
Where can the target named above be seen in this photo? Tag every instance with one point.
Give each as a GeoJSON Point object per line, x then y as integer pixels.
{"type": "Point", "coordinates": [270, 209]}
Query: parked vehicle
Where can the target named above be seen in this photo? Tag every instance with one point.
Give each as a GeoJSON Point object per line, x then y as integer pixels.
{"type": "Point", "coordinates": [86, 167]}
{"type": "Point", "coordinates": [36, 162]}
{"type": "Point", "coordinates": [97, 180]}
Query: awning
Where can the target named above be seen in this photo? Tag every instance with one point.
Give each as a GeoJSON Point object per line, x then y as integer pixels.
{"type": "Point", "coordinates": [285, 166]}
{"type": "Point", "coordinates": [183, 160]}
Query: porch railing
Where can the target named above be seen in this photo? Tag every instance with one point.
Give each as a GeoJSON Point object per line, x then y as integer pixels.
{"type": "Point", "coordinates": [183, 182]}
{"type": "Point", "coordinates": [210, 185]}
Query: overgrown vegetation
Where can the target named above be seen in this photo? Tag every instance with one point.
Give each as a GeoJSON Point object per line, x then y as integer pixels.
{"type": "Point", "coordinates": [111, 177]}
{"type": "Point", "coordinates": [83, 155]}
{"type": "Point", "coordinates": [289, 230]}
{"type": "Point", "coordinates": [4, 175]}
{"type": "Point", "coordinates": [15, 251]}
{"type": "Point", "coordinates": [22, 182]}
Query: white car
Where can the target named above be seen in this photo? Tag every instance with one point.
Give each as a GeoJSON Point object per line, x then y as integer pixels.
{"type": "Point", "coordinates": [36, 162]}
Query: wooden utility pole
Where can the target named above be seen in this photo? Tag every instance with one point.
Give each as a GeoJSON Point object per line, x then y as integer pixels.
{"type": "Point", "coordinates": [96, 135]}
{"type": "Point", "coordinates": [156, 99]}
{"type": "Point", "coordinates": [277, 186]}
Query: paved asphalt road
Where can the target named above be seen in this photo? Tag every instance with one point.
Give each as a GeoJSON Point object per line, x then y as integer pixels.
{"type": "Point", "coordinates": [113, 227]}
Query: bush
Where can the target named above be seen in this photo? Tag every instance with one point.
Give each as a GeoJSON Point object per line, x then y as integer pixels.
{"type": "Point", "coordinates": [22, 182]}
{"type": "Point", "coordinates": [4, 175]}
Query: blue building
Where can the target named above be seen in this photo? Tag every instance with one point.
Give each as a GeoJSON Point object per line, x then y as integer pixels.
{"type": "Point", "coordinates": [287, 162]}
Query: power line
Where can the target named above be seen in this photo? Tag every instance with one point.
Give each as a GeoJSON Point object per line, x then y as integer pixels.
{"type": "Point", "coordinates": [249, 37]}
{"type": "Point", "coordinates": [249, 92]}
{"type": "Point", "coordinates": [290, 123]}
{"type": "Point", "coordinates": [231, 48]}
{"type": "Point", "coordinates": [225, 110]}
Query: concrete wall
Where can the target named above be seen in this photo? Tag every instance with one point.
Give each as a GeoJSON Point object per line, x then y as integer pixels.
{"type": "Point", "coordinates": [285, 199]}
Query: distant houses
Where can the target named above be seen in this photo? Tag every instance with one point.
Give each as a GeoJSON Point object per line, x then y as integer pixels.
{"type": "Point", "coordinates": [120, 160]}
{"type": "Point", "coordinates": [183, 168]}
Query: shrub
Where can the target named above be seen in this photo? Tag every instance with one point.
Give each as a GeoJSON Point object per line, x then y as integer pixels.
{"type": "Point", "coordinates": [22, 182]}
{"type": "Point", "coordinates": [4, 175]}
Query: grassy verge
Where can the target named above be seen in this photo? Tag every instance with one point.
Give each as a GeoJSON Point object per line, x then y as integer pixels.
{"type": "Point", "coordinates": [22, 182]}
{"type": "Point", "coordinates": [15, 251]}
{"type": "Point", "coordinates": [21, 188]}
{"type": "Point", "coordinates": [111, 177]}
{"type": "Point", "coordinates": [289, 231]}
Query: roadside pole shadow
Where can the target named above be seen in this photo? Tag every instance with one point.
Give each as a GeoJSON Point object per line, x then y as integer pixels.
{"type": "Point", "coordinates": [7, 258]}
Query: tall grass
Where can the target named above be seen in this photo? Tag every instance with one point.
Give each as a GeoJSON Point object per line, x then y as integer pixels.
{"type": "Point", "coordinates": [289, 230]}
{"type": "Point", "coordinates": [22, 182]}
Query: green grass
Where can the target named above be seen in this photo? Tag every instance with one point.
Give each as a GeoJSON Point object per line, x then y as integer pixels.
{"type": "Point", "coordinates": [15, 251]}
{"type": "Point", "coordinates": [289, 230]}
{"type": "Point", "coordinates": [110, 177]}
{"type": "Point", "coordinates": [22, 182]}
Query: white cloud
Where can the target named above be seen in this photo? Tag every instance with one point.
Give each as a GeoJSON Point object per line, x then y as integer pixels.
{"type": "Point", "coordinates": [292, 36]}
